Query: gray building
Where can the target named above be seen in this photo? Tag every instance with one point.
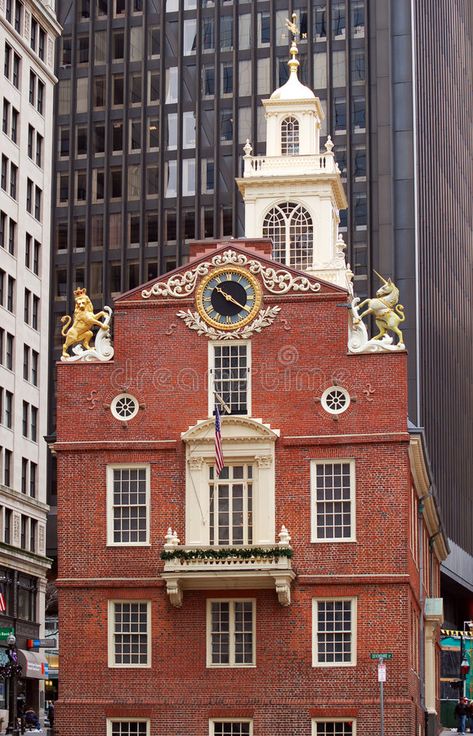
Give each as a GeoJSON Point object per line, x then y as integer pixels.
{"type": "Point", "coordinates": [154, 104]}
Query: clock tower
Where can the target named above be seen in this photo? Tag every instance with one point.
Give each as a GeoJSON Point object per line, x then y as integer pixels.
{"type": "Point", "coordinates": [294, 193]}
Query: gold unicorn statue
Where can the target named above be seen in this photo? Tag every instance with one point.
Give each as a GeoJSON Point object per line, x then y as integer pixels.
{"type": "Point", "coordinates": [388, 313]}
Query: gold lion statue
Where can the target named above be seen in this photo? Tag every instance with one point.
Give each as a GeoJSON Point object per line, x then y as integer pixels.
{"type": "Point", "coordinates": [84, 319]}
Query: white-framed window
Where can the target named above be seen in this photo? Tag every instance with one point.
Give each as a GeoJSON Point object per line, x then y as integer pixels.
{"type": "Point", "coordinates": [231, 627]}
{"type": "Point", "coordinates": [230, 370]}
{"type": "Point", "coordinates": [246, 442]}
{"type": "Point", "coordinates": [332, 500]}
{"type": "Point", "coordinates": [129, 634]}
{"type": "Point", "coordinates": [127, 727]}
{"type": "Point", "coordinates": [334, 632]}
{"type": "Point", "coordinates": [128, 504]}
{"type": "Point", "coordinates": [229, 727]}
{"type": "Point", "coordinates": [231, 505]}
{"type": "Point", "coordinates": [290, 227]}
{"type": "Point", "coordinates": [333, 727]}
{"type": "Point", "coordinates": [290, 136]}
{"type": "Point", "coordinates": [124, 407]}
{"type": "Point", "coordinates": [335, 400]}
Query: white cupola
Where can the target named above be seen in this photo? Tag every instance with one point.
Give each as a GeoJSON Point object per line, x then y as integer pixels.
{"type": "Point", "coordinates": [294, 193]}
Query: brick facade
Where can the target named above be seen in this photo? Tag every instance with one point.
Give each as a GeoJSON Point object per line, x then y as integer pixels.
{"type": "Point", "coordinates": [164, 364]}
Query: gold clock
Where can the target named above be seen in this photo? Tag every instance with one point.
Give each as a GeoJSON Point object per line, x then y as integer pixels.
{"type": "Point", "coordinates": [228, 298]}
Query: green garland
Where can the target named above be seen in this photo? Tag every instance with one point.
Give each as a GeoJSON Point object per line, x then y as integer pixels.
{"type": "Point", "coordinates": [222, 554]}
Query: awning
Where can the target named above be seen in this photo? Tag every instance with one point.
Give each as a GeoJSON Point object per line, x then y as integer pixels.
{"type": "Point", "coordinates": [34, 664]}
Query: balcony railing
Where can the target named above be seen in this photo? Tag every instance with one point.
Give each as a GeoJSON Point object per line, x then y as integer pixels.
{"type": "Point", "coordinates": [280, 165]}
{"type": "Point", "coordinates": [245, 566]}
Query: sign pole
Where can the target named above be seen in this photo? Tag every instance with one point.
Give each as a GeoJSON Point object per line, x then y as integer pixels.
{"type": "Point", "coordinates": [381, 657]}
{"type": "Point", "coordinates": [381, 705]}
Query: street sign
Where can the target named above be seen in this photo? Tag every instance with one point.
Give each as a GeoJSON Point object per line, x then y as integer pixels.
{"type": "Point", "coordinates": [5, 632]}
{"type": "Point", "coordinates": [386, 655]}
{"type": "Point", "coordinates": [37, 643]}
{"type": "Point", "coordinates": [381, 672]}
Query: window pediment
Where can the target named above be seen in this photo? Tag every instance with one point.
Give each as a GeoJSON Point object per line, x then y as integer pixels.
{"type": "Point", "coordinates": [234, 429]}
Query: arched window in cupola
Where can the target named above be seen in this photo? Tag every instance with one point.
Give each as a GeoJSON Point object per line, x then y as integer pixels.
{"type": "Point", "coordinates": [290, 227]}
{"type": "Point", "coordinates": [290, 136]}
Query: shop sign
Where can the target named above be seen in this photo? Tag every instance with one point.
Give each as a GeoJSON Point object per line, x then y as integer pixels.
{"type": "Point", "coordinates": [37, 643]}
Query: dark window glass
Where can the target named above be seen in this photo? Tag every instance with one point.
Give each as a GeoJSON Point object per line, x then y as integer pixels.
{"type": "Point", "coordinates": [64, 143]}
{"type": "Point", "coordinates": [226, 126]}
{"type": "Point", "coordinates": [24, 475]}
{"type": "Point", "coordinates": [66, 51]}
{"type": "Point", "coordinates": [208, 80]}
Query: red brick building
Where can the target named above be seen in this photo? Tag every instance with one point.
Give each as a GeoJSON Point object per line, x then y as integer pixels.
{"type": "Point", "coordinates": [317, 441]}
{"type": "Point", "coordinates": [247, 603]}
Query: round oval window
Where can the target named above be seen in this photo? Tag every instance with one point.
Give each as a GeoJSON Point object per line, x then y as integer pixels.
{"type": "Point", "coordinates": [124, 407]}
{"type": "Point", "coordinates": [335, 400]}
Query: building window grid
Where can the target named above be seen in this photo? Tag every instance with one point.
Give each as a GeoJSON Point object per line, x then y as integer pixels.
{"type": "Point", "coordinates": [231, 376]}
{"type": "Point", "coordinates": [334, 639]}
{"type": "Point", "coordinates": [290, 136]}
{"type": "Point", "coordinates": [231, 505]}
{"type": "Point", "coordinates": [290, 227]}
{"type": "Point", "coordinates": [232, 637]}
{"type": "Point", "coordinates": [130, 506]}
{"type": "Point", "coordinates": [130, 634]}
{"type": "Point", "coordinates": [231, 728]}
{"type": "Point", "coordinates": [128, 728]}
{"type": "Point", "coordinates": [333, 500]}
{"type": "Point", "coordinates": [357, 19]}
{"type": "Point", "coordinates": [333, 728]}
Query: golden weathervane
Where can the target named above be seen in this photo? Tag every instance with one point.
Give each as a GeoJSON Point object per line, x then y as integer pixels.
{"type": "Point", "coordinates": [292, 28]}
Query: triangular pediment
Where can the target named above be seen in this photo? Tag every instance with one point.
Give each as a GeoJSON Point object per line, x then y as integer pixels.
{"type": "Point", "coordinates": [277, 278]}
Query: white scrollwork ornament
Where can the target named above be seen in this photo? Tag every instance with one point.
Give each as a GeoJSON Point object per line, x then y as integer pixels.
{"type": "Point", "coordinates": [102, 349]}
{"type": "Point", "coordinates": [277, 281]}
{"type": "Point", "coordinates": [265, 318]}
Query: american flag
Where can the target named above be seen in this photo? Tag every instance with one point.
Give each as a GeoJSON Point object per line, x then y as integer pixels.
{"type": "Point", "coordinates": [3, 603]}
{"type": "Point", "coordinates": [219, 462]}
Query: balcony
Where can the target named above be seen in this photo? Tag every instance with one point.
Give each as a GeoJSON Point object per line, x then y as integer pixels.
{"type": "Point", "coordinates": [323, 163]}
{"type": "Point", "coordinates": [218, 567]}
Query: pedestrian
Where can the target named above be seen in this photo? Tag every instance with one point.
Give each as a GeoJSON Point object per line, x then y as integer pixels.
{"type": "Point", "coordinates": [50, 713]}
{"type": "Point", "coordinates": [461, 712]}
{"type": "Point", "coordinates": [470, 715]}
{"type": "Point", "coordinates": [31, 719]}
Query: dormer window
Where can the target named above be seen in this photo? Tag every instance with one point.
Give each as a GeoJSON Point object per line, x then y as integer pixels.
{"type": "Point", "coordinates": [290, 227]}
{"type": "Point", "coordinates": [290, 136]}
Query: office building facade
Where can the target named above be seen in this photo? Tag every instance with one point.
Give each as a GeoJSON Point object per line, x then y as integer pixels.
{"type": "Point", "coordinates": [155, 103]}
{"type": "Point", "coordinates": [28, 32]}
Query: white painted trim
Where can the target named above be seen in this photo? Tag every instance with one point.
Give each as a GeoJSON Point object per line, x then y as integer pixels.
{"type": "Point", "coordinates": [211, 368]}
{"type": "Point", "coordinates": [333, 719]}
{"type": "Point", "coordinates": [109, 503]}
{"type": "Point", "coordinates": [353, 659]}
{"type": "Point", "coordinates": [325, 395]}
{"type": "Point", "coordinates": [111, 648]}
{"type": "Point", "coordinates": [331, 436]}
{"type": "Point", "coordinates": [232, 664]}
{"type": "Point", "coordinates": [113, 407]}
{"type": "Point", "coordinates": [313, 500]}
{"type": "Point", "coordinates": [212, 721]}
{"type": "Point", "coordinates": [110, 721]}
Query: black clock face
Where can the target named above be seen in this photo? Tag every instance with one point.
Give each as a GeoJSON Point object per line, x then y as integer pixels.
{"type": "Point", "coordinates": [229, 298]}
